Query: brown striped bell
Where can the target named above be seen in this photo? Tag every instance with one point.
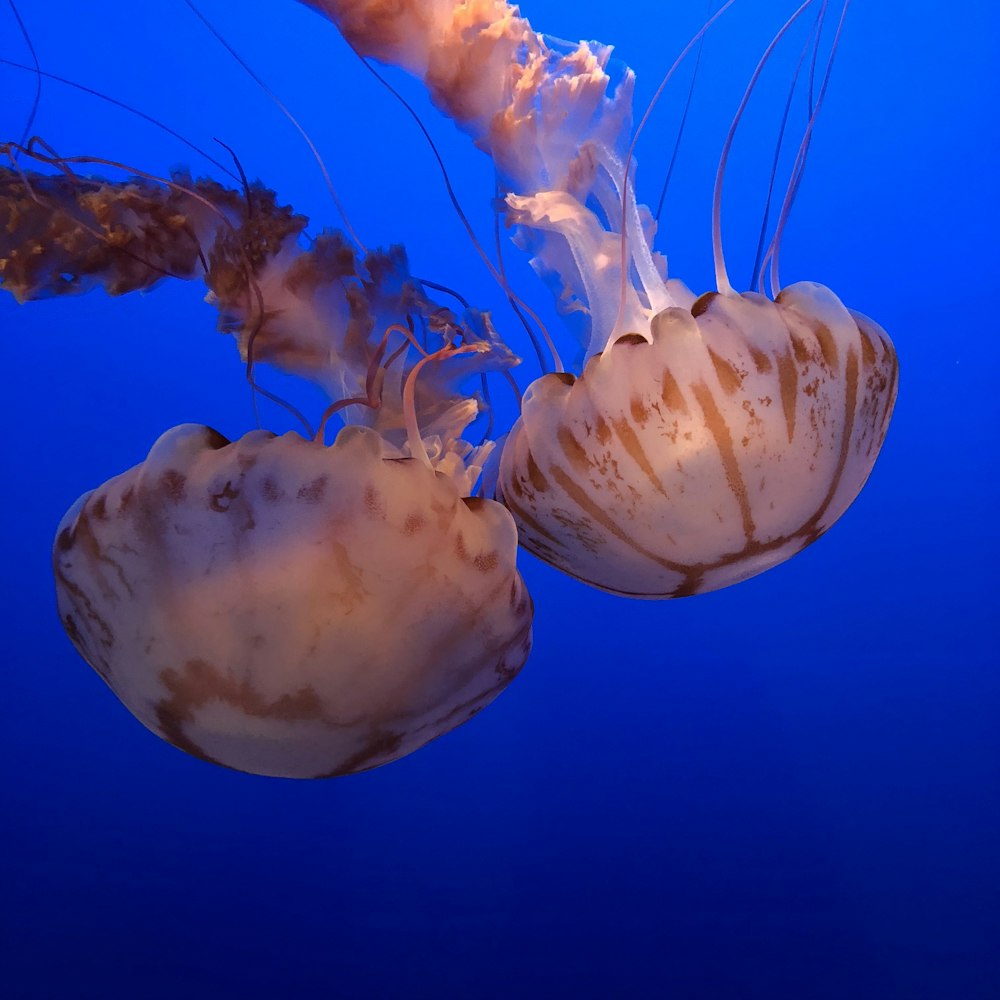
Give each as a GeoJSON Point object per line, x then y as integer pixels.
{"type": "Point", "coordinates": [716, 445]}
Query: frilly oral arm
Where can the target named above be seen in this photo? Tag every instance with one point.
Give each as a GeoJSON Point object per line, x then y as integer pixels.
{"type": "Point", "coordinates": [555, 125]}
{"type": "Point", "coordinates": [323, 312]}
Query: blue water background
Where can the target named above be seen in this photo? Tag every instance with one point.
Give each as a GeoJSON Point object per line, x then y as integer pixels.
{"type": "Point", "coordinates": [785, 789]}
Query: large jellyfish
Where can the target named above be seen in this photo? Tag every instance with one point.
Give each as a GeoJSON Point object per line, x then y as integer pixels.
{"type": "Point", "coordinates": [707, 438]}
{"type": "Point", "coordinates": [287, 606]}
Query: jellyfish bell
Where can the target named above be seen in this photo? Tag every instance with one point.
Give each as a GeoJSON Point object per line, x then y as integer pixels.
{"type": "Point", "coordinates": [720, 446]}
{"type": "Point", "coordinates": [289, 608]}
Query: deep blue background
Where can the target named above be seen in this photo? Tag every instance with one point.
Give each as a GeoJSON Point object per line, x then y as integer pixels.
{"type": "Point", "coordinates": [786, 789]}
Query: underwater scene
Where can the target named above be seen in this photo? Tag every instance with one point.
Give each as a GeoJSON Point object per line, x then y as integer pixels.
{"type": "Point", "coordinates": [489, 514]}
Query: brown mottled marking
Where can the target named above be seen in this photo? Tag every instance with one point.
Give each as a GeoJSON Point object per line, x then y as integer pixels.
{"type": "Point", "coordinates": [639, 410]}
{"type": "Point", "coordinates": [535, 474]}
{"type": "Point", "coordinates": [221, 502]}
{"type": "Point", "coordinates": [85, 537]}
{"type": "Point", "coordinates": [312, 492]}
{"type": "Point", "coordinates": [850, 404]}
{"type": "Point", "coordinates": [470, 620]}
{"type": "Point", "coordinates": [271, 491]}
{"type": "Point", "coordinates": [198, 682]}
{"type": "Point", "coordinates": [631, 340]}
{"type": "Point", "coordinates": [728, 374]}
{"type": "Point", "coordinates": [572, 449]}
{"type": "Point", "coordinates": [172, 484]}
{"type": "Point", "coordinates": [724, 442]}
{"type": "Point", "coordinates": [374, 503]}
{"type": "Point", "coordinates": [701, 304]}
{"type": "Point", "coordinates": [788, 378]}
{"type": "Point", "coordinates": [104, 633]}
{"type": "Point", "coordinates": [601, 430]}
{"type": "Point", "coordinates": [633, 446]}
{"type": "Point", "coordinates": [760, 359]}
{"type": "Point", "coordinates": [827, 344]}
{"type": "Point", "coordinates": [73, 631]}
{"type": "Point", "coordinates": [414, 522]}
{"type": "Point", "coordinates": [379, 747]}
{"type": "Point", "coordinates": [126, 499]}
{"type": "Point", "coordinates": [99, 507]}
{"type": "Point", "coordinates": [802, 354]}
{"type": "Point", "coordinates": [487, 562]}
{"type": "Point", "coordinates": [582, 499]}
{"type": "Point", "coordinates": [867, 348]}
{"type": "Point", "coordinates": [671, 395]}
{"type": "Point", "coordinates": [526, 519]}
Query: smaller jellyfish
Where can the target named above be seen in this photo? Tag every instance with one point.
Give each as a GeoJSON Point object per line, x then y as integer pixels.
{"type": "Point", "coordinates": [277, 604]}
{"type": "Point", "coordinates": [290, 608]}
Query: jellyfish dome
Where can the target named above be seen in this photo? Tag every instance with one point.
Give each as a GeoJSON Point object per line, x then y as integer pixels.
{"type": "Point", "coordinates": [289, 608]}
{"type": "Point", "coordinates": [720, 446]}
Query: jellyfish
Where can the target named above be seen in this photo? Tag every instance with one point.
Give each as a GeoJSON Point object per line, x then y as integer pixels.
{"type": "Point", "coordinates": [705, 438]}
{"type": "Point", "coordinates": [277, 604]}
{"type": "Point", "coordinates": [288, 606]}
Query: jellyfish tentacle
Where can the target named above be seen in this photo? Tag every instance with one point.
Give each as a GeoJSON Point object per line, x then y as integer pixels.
{"type": "Point", "coordinates": [722, 282]}
{"type": "Point", "coordinates": [618, 328]}
{"type": "Point", "coordinates": [683, 123]}
{"type": "Point", "coordinates": [248, 69]}
{"type": "Point", "coordinates": [73, 235]}
{"type": "Point", "coordinates": [547, 114]}
{"type": "Point", "coordinates": [36, 69]}
{"type": "Point", "coordinates": [800, 159]}
{"type": "Point", "coordinates": [517, 304]}
{"type": "Point", "coordinates": [812, 42]}
{"type": "Point", "coordinates": [131, 109]}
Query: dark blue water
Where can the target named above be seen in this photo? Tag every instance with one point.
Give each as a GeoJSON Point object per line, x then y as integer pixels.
{"type": "Point", "coordinates": [786, 789]}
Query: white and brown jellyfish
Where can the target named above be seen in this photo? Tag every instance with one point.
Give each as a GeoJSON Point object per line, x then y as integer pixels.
{"type": "Point", "coordinates": [705, 439]}
{"type": "Point", "coordinates": [278, 604]}
{"type": "Point", "coordinates": [291, 608]}
{"type": "Point", "coordinates": [288, 606]}
{"type": "Point", "coordinates": [716, 444]}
